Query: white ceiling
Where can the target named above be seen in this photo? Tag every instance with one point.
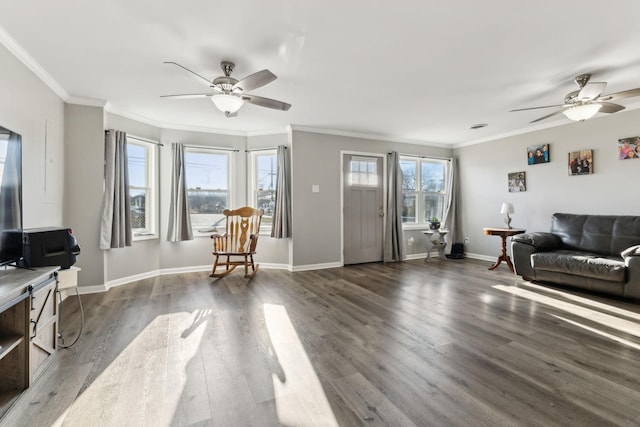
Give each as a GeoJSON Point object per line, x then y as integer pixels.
{"type": "Point", "coordinates": [421, 71]}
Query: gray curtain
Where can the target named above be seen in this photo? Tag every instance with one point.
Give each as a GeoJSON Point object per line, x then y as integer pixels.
{"type": "Point", "coordinates": [452, 219]}
{"type": "Point", "coordinates": [115, 225]}
{"type": "Point", "coordinates": [179, 218]}
{"type": "Point", "coordinates": [10, 187]}
{"type": "Point", "coordinates": [394, 249]}
{"type": "Point", "coordinates": [281, 227]}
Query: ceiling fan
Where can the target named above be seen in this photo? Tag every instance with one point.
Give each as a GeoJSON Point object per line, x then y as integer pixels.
{"type": "Point", "coordinates": [230, 94]}
{"type": "Point", "coordinates": [584, 103]}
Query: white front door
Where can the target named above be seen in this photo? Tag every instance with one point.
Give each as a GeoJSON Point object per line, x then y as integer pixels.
{"type": "Point", "coordinates": [363, 208]}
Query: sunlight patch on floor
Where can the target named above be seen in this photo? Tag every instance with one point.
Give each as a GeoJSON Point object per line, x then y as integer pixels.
{"type": "Point", "coordinates": [149, 368]}
{"type": "Point", "coordinates": [599, 332]}
{"type": "Point", "coordinates": [607, 320]}
{"type": "Point", "coordinates": [300, 398]}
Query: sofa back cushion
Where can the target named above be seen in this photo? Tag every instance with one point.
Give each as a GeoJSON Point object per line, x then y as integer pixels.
{"type": "Point", "coordinates": [607, 235]}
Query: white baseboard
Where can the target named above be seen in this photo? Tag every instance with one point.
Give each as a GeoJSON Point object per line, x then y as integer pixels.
{"type": "Point", "coordinates": [481, 257]}
{"type": "Point", "coordinates": [199, 268]}
{"type": "Point", "coordinates": [316, 266]}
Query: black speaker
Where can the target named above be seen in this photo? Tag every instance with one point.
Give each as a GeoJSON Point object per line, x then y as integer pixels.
{"type": "Point", "coordinates": [49, 246]}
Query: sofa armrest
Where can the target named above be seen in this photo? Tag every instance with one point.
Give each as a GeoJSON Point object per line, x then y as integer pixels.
{"type": "Point", "coordinates": [632, 251]}
{"type": "Point", "coordinates": [541, 241]}
{"type": "Point", "coordinates": [632, 288]}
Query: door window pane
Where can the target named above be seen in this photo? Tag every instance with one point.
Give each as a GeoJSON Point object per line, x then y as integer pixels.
{"type": "Point", "coordinates": [364, 171]}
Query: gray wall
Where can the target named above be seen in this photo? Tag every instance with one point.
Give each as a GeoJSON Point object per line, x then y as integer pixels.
{"type": "Point", "coordinates": [30, 108]}
{"type": "Point", "coordinates": [317, 216]}
{"type": "Point", "coordinates": [84, 183]}
{"type": "Point", "coordinates": [610, 190]}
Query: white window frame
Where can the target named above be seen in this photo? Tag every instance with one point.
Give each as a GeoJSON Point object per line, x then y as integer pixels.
{"type": "Point", "coordinates": [205, 231]}
{"type": "Point", "coordinates": [151, 188]}
{"type": "Point", "coordinates": [420, 222]}
{"type": "Point", "coordinates": [265, 226]}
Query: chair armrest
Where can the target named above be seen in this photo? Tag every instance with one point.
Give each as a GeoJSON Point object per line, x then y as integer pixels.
{"type": "Point", "coordinates": [219, 242]}
{"type": "Point", "coordinates": [541, 241]}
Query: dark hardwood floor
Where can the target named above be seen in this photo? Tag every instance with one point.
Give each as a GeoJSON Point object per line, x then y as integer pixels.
{"type": "Point", "coordinates": [444, 343]}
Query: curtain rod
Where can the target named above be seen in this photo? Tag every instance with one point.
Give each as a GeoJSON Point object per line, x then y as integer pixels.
{"type": "Point", "coordinates": [140, 139]}
{"type": "Point", "coordinates": [263, 149]}
{"type": "Point", "coordinates": [204, 147]}
{"type": "Point", "coordinates": [425, 157]}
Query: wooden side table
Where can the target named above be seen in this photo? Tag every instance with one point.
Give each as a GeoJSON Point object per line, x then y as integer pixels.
{"type": "Point", "coordinates": [503, 233]}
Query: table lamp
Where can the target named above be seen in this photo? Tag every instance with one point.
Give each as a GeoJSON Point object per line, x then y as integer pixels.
{"type": "Point", "coordinates": [507, 208]}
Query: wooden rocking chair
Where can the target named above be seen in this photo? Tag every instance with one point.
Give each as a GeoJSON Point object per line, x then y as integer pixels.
{"type": "Point", "coordinates": [239, 241]}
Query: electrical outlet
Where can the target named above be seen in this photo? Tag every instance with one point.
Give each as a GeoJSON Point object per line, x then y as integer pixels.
{"type": "Point", "coordinates": [466, 240]}
{"type": "Point", "coordinates": [410, 241]}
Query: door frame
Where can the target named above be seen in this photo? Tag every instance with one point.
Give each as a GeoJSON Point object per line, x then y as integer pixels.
{"type": "Point", "coordinates": [384, 194]}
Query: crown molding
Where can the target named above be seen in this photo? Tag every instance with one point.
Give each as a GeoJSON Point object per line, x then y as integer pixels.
{"type": "Point", "coordinates": [19, 52]}
{"type": "Point", "coordinates": [89, 102]}
{"type": "Point", "coordinates": [363, 135]}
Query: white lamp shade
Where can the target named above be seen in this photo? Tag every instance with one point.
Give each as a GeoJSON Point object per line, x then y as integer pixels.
{"type": "Point", "coordinates": [507, 208]}
{"type": "Point", "coordinates": [227, 103]}
{"type": "Point", "coordinates": [582, 112]}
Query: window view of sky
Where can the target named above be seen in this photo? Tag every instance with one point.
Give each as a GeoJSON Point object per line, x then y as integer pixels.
{"type": "Point", "coordinates": [137, 163]}
{"type": "Point", "coordinates": [206, 170]}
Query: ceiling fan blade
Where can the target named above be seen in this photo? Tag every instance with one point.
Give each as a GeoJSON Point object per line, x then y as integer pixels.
{"type": "Point", "coordinates": [591, 91]}
{"type": "Point", "coordinates": [197, 76]}
{"type": "Point", "coordinates": [266, 102]}
{"type": "Point", "coordinates": [547, 116]}
{"type": "Point", "coordinates": [609, 107]}
{"type": "Point", "coordinates": [188, 96]}
{"type": "Point", "coordinates": [255, 81]}
{"type": "Point", "coordinates": [536, 108]}
{"type": "Point", "coordinates": [619, 95]}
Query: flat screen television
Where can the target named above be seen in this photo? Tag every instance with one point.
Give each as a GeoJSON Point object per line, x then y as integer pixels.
{"type": "Point", "coordinates": [11, 249]}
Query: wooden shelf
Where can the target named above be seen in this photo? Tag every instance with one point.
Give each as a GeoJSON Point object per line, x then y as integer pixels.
{"type": "Point", "coordinates": [8, 343]}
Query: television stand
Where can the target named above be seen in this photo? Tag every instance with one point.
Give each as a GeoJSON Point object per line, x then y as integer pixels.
{"type": "Point", "coordinates": [28, 328]}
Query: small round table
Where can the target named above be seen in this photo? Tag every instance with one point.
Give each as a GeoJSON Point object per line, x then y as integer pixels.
{"type": "Point", "coordinates": [503, 233]}
{"type": "Point", "coordinates": [434, 242]}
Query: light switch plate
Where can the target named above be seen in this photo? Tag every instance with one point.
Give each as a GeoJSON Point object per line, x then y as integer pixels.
{"type": "Point", "coordinates": [315, 188]}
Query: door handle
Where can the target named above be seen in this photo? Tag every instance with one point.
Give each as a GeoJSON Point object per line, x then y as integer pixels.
{"type": "Point", "coordinates": [381, 212]}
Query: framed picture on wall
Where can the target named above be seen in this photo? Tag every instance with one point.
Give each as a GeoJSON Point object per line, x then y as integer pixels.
{"type": "Point", "coordinates": [629, 148]}
{"type": "Point", "coordinates": [581, 162]}
{"type": "Point", "coordinates": [517, 182]}
{"type": "Point", "coordinates": [537, 154]}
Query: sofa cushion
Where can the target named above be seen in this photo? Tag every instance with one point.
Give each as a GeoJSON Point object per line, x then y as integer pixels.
{"type": "Point", "coordinates": [606, 235]}
{"type": "Point", "coordinates": [582, 264]}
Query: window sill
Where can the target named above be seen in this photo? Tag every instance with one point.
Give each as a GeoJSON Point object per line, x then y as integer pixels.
{"type": "Point", "coordinates": [141, 237]}
{"type": "Point", "coordinates": [416, 227]}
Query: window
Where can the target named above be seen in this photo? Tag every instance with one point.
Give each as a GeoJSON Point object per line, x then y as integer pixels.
{"type": "Point", "coordinates": [207, 174]}
{"type": "Point", "coordinates": [263, 179]}
{"type": "Point", "coordinates": [143, 181]}
{"type": "Point", "coordinates": [424, 189]}
{"type": "Point", "coordinates": [364, 171]}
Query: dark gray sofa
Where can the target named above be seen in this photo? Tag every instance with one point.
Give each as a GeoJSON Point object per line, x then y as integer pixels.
{"type": "Point", "coordinates": [595, 252]}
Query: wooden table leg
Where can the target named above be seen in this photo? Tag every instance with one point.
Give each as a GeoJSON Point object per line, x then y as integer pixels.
{"type": "Point", "coordinates": [503, 257]}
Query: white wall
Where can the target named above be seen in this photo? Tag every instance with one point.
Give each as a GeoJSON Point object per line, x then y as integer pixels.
{"type": "Point", "coordinates": [610, 190]}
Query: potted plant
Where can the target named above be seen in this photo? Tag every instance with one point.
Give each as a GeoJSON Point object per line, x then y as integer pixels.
{"type": "Point", "coordinates": [434, 223]}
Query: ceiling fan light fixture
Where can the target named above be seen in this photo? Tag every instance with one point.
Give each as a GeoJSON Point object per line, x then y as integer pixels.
{"type": "Point", "coordinates": [227, 103]}
{"type": "Point", "coordinates": [582, 112]}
